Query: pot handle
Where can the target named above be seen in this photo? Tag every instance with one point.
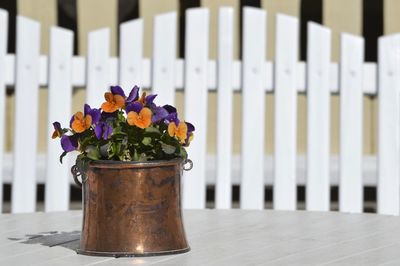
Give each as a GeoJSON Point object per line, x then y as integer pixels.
{"type": "Point", "coordinates": [75, 173]}
{"type": "Point", "coordinates": [189, 167]}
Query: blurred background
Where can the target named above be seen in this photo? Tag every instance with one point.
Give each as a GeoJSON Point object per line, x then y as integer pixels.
{"type": "Point", "coordinates": [367, 18]}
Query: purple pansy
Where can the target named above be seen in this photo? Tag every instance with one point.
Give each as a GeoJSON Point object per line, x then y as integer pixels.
{"type": "Point", "coordinates": [150, 99]}
{"type": "Point", "coordinates": [159, 114]}
{"type": "Point", "coordinates": [103, 130]}
{"type": "Point", "coordinates": [57, 130]}
{"type": "Point", "coordinates": [133, 95]}
{"type": "Point", "coordinates": [172, 114]}
{"type": "Point", "coordinates": [117, 90]}
{"type": "Point", "coordinates": [190, 129]}
{"type": "Point", "coordinates": [94, 113]}
{"type": "Point", "coordinates": [135, 107]}
{"type": "Point", "coordinates": [69, 143]}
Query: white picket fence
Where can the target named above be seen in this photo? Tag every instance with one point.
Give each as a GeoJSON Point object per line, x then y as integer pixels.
{"type": "Point", "coordinates": [253, 76]}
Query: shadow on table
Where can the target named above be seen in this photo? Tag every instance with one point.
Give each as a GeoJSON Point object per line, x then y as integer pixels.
{"type": "Point", "coordinates": [68, 240]}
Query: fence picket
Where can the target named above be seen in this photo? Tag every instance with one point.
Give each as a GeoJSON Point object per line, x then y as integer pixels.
{"type": "Point", "coordinates": [164, 56]}
{"type": "Point", "coordinates": [253, 108]}
{"type": "Point", "coordinates": [131, 53]}
{"type": "Point", "coordinates": [286, 57]}
{"type": "Point", "coordinates": [351, 120]}
{"type": "Point", "coordinates": [389, 125]}
{"type": "Point", "coordinates": [3, 53]}
{"type": "Point", "coordinates": [98, 65]}
{"type": "Point", "coordinates": [26, 115]}
{"type": "Point", "coordinates": [223, 199]}
{"type": "Point", "coordinates": [318, 117]}
{"type": "Point", "coordinates": [196, 53]}
{"type": "Point", "coordinates": [60, 100]}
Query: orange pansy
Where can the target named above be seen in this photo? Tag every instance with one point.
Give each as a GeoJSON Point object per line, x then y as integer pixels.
{"type": "Point", "coordinates": [141, 120]}
{"type": "Point", "coordinates": [81, 123]}
{"type": "Point", "coordinates": [113, 102]}
{"type": "Point", "coordinates": [179, 131]}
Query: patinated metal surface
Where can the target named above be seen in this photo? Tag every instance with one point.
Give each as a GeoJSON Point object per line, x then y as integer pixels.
{"type": "Point", "coordinates": [132, 209]}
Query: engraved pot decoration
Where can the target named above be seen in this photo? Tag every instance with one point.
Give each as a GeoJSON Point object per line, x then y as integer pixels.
{"type": "Point", "coordinates": [132, 208]}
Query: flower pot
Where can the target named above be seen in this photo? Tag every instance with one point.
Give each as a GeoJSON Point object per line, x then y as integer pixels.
{"type": "Point", "coordinates": [132, 208]}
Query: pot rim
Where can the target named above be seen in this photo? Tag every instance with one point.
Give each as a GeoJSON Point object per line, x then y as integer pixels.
{"type": "Point", "coordinates": [122, 164]}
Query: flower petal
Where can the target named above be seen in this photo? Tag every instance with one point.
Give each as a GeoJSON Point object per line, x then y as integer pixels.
{"type": "Point", "coordinates": [133, 95]}
{"type": "Point", "coordinates": [159, 114]}
{"type": "Point", "coordinates": [98, 130]}
{"type": "Point", "coordinates": [119, 101]}
{"type": "Point", "coordinates": [170, 109]}
{"type": "Point", "coordinates": [135, 106]}
{"type": "Point", "coordinates": [57, 130]}
{"type": "Point", "coordinates": [190, 127]}
{"type": "Point", "coordinates": [95, 114]}
{"type": "Point", "coordinates": [117, 90]}
{"type": "Point", "coordinates": [108, 107]}
{"type": "Point", "coordinates": [150, 98]}
{"type": "Point", "coordinates": [132, 118]}
{"type": "Point", "coordinates": [171, 129]}
{"type": "Point", "coordinates": [68, 143]}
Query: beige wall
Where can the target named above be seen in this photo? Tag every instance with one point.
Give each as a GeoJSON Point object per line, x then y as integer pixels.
{"type": "Point", "coordinates": [335, 16]}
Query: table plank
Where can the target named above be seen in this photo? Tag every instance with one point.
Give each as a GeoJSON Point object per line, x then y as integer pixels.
{"type": "Point", "coordinates": [220, 237]}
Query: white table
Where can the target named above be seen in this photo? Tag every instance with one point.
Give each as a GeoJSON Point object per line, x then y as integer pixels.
{"type": "Point", "coordinates": [231, 237]}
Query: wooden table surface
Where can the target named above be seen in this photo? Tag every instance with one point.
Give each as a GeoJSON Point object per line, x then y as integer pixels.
{"type": "Point", "coordinates": [223, 237]}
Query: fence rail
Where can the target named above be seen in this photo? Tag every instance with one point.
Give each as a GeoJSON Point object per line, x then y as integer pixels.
{"type": "Point", "coordinates": [253, 76]}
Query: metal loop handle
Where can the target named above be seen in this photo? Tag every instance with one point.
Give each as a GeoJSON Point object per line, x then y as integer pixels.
{"type": "Point", "coordinates": [76, 173]}
{"type": "Point", "coordinates": [188, 168]}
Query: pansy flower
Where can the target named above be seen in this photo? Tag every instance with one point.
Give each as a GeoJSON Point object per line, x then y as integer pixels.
{"type": "Point", "coordinates": [113, 102]}
{"type": "Point", "coordinates": [172, 114]}
{"type": "Point", "coordinates": [189, 134]}
{"type": "Point", "coordinates": [117, 90]}
{"type": "Point", "coordinates": [141, 120]}
{"type": "Point", "coordinates": [69, 143]}
{"type": "Point", "coordinates": [133, 95]}
{"type": "Point", "coordinates": [134, 106]}
{"type": "Point", "coordinates": [57, 130]}
{"type": "Point", "coordinates": [103, 130]}
{"type": "Point", "coordinates": [94, 113]}
{"type": "Point", "coordinates": [81, 122]}
{"type": "Point", "coordinates": [180, 131]}
{"type": "Point", "coordinates": [159, 114]}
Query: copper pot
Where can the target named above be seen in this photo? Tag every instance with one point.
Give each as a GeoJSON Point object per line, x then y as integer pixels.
{"type": "Point", "coordinates": [132, 208]}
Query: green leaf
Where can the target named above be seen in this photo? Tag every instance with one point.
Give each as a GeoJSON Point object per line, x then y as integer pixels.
{"type": "Point", "coordinates": [92, 152]}
{"type": "Point", "coordinates": [152, 131]}
{"type": "Point", "coordinates": [146, 141]}
{"type": "Point", "coordinates": [168, 149]}
{"type": "Point", "coordinates": [105, 149]}
{"type": "Point", "coordinates": [182, 153]}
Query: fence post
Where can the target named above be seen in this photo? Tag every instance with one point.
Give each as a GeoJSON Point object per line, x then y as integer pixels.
{"type": "Point", "coordinates": [351, 120]}
{"type": "Point", "coordinates": [196, 92]}
{"type": "Point", "coordinates": [318, 117]}
{"type": "Point", "coordinates": [286, 57]}
{"type": "Point", "coordinates": [223, 199]}
{"type": "Point", "coordinates": [3, 53]}
{"type": "Point", "coordinates": [60, 101]}
{"type": "Point", "coordinates": [131, 54]}
{"type": "Point", "coordinates": [164, 57]}
{"type": "Point", "coordinates": [26, 115]}
{"type": "Point", "coordinates": [253, 108]}
{"type": "Point", "coordinates": [98, 66]}
{"type": "Point", "coordinates": [389, 125]}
